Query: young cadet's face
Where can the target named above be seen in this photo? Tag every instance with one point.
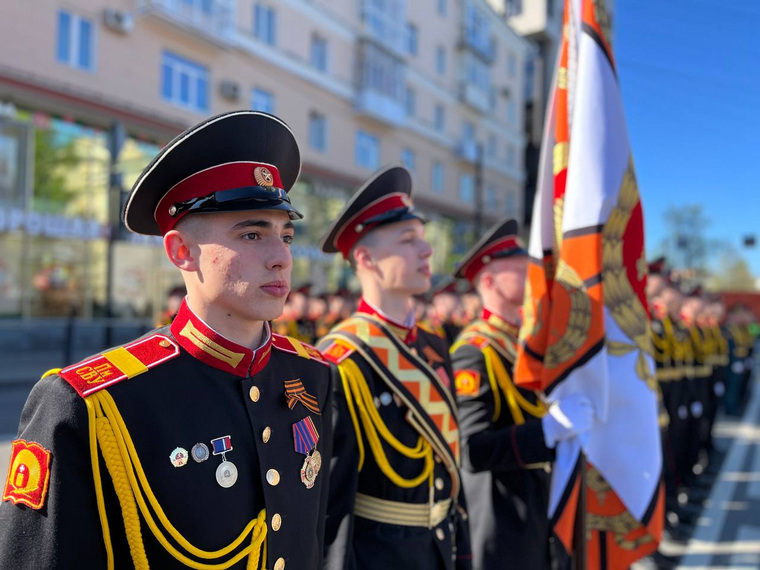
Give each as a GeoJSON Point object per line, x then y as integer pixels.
{"type": "Point", "coordinates": [245, 263]}
{"type": "Point", "coordinates": [509, 277]}
{"type": "Point", "coordinates": [402, 257]}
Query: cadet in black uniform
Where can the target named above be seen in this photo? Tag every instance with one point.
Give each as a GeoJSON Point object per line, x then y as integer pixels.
{"type": "Point", "coordinates": [507, 436]}
{"type": "Point", "coordinates": [395, 499]}
{"type": "Point", "coordinates": [200, 444]}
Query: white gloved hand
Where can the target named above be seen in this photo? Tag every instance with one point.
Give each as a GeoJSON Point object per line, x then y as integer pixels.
{"type": "Point", "coordinates": [568, 417]}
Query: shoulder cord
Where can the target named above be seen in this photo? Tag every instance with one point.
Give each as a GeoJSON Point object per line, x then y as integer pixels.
{"type": "Point", "coordinates": [107, 429]}
{"type": "Point", "coordinates": [358, 395]}
{"type": "Point", "coordinates": [497, 374]}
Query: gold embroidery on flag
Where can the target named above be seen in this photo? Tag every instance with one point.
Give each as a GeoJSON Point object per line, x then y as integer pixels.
{"type": "Point", "coordinates": [578, 321]}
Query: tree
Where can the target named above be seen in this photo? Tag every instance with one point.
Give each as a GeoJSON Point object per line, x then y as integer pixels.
{"type": "Point", "coordinates": [733, 274]}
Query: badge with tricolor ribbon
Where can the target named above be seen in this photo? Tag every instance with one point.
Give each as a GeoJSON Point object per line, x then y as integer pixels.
{"type": "Point", "coordinates": [295, 392]}
{"type": "Point", "coordinates": [226, 473]}
{"type": "Point", "coordinates": [305, 437]}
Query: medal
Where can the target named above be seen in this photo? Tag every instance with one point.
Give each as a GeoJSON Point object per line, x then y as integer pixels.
{"type": "Point", "coordinates": [178, 457]}
{"type": "Point", "coordinates": [305, 437]}
{"type": "Point", "coordinates": [199, 452]}
{"type": "Point", "coordinates": [226, 473]}
{"type": "Point", "coordinates": [310, 469]}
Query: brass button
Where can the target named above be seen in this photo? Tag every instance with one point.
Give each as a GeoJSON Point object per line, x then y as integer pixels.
{"type": "Point", "coordinates": [267, 434]}
{"type": "Point", "coordinates": [439, 534]}
{"type": "Point", "coordinates": [276, 522]}
{"type": "Point", "coordinates": [280, 564]}
{"type": "Point", "coordinates": [164, 344]}
{"type": "Point", "coordinates": [255, 393]}
{"type": "Point", "coordinates": [439, 483]}
{"type": "Point", "coordinates": [273, 477]}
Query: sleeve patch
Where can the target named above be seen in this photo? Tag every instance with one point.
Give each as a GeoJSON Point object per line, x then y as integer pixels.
{"type": "Point", "coordinates": [28, 474]}
{"type": "Point", "coordinates": [467, 382]}
{"type": "Point", "coordinates": [338, 351]}
{"type": "Point", "coordinates": [295, 346]}
{"type": "Point", "coordinates": [115, 365]}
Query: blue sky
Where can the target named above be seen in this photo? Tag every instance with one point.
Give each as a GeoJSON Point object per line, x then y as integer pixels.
{"type": "Point", "coordinates": [689, 71]}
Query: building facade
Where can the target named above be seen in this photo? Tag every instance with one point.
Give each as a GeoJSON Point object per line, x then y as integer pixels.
{"type": "Point", "coordinates": [91, 89]}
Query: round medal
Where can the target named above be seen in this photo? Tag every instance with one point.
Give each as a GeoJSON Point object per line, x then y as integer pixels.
{"type": "Point", "coordinates": [226, 474]}
{"type": "Point", "coordinates": [178, 457]}
{"type": "Point", "coordinates": [310, 469]}
{"type": "Point", "coordinates": [199, 452]}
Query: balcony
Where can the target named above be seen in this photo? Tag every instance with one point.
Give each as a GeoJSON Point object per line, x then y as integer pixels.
{"type": "Point", "coordinates": [474, 96]}
{"type": "Point", "coordinates": [381, 85]}
{"type": "Point", "coordinates": [483, 47]}
{"type": "Point", "coordinates": [385, 23]}
{"type": "Point", "coordinates": [212, 20]}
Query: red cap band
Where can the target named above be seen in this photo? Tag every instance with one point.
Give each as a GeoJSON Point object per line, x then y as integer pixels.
{"type": "Point", "coordinates": [355, 227]}
{"type": "Point", "coordinates": [471, 269]}
{"type": "Point", "coordinates": [215, 179]}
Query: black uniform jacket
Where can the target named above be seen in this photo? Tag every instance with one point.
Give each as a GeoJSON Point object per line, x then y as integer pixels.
{"type": "Point", "coordinates": [355, 538]}
{"type": "Point", "coordinates": [504, 458]}
{"type": "Point", "coordinates": [177, 390]}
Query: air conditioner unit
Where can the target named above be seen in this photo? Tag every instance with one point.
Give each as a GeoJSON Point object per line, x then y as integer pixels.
{"type": "Point", "coordinates": [230, 90]}
{"type": "Point", "coordinates": [118, 20]}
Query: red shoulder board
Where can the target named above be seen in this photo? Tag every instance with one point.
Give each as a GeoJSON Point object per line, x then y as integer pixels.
{"type": "Point", "coordinates": [115, 365]}
{"type": "Point", "coordinates": [337, 351]}
{"type": "Point", "coordinates": [294, 346]}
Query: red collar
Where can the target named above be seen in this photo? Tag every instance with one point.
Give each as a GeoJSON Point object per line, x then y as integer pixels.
{"type": "Point", "coordinates": [407, 334]}
{"type": "Point", "coordinates": [211, 348]}
{"type": "Point", "coordinates": [500, 323]}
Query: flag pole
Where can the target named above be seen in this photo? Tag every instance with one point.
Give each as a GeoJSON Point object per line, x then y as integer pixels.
{"type": "Point", "coordinates": [579, 530]}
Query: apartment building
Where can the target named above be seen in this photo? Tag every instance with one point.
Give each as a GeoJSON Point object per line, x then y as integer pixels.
{"type": "Point", "coordinates": [91, 89]}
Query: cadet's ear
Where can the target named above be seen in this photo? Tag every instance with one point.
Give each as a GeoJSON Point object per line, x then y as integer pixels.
{"type": "Point", "coordinates": [363, 257]}
{"type": "Point", "coordinates": [179, 250]}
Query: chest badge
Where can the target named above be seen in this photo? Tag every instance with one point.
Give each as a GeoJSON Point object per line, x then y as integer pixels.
{"type": "Point", "coordinates": [305, 437]}
{"type": "Point", "coordinates": [179, 457]}
{"type": "Point", "coordinates": [295, 393]}
{"type": "Point", "coordinates": [226, 473]}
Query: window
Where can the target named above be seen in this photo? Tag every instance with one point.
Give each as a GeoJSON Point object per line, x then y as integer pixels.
{"type": "Point", "coordinates": [511, 206]}
{"type": "Point", "coordinates": [184, 82]}
{"type": "Point", "coordinates": [511, 109]}
{"type": "Point", "coordinates": [477, 27]}
{"type": "Point", "coordinates": [76, 41]}
{"type": "Point", "coordinates": [439, 118]}
{"type": "Point", "coordinates": [437, 177]}
{"type": "Point", "coordinates": [442, 7]}
{"type": "Point", "coordinates": [265, 24]}
{"type": "Point", "coordinates": [477, 72]}
{"type": "Point", "coordinates": [411, 39]}
{"type": "Point", "coordinates": [512, 8]}
{"type": "Point", "coordinates": [512, 65]}
{"type": "Point", "coordinates": [550, 8]}
{"type": "Point", "coordinates": [411, 102]}
{"type": "Point", "coordinates": [440, 60]}
{"type": "Point", "coordinates": [408, 158]}
{"type": "Point", "coordinates": [386, 21]}
{"type": "Point", "coordinates": [319, 52]}
{"type": "Point", "coordinates": [367, 150]}
{"type": "Point", "coordinates": [468, 131]}
{"type": "Point", "coordinates": [491, 146]}
{"type": "Point", "coordinates": [510, 158]}
{"type": "Point", "coordinates": [262, 101]}
{"type": "Point", "coordinates": [492, 202]}
{"type": "Point", "coordinates": [383, 73]}
{"type": "Point", "coordinates": [318, 131]}
{"type": "Point", "coordinates": [467, 188]}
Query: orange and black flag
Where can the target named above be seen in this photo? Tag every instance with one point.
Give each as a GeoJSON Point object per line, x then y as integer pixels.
{"type": "Point", "coordinates": [586, 318]}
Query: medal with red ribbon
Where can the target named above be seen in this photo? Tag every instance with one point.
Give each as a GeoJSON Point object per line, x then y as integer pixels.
{"type": "Point", "coordinates": [305, 436]}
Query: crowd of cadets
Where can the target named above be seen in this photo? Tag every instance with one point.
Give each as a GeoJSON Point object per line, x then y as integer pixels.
{"type": "Point", "coordinates": [703, 355]}
{"type": "Point", "coordinates": [310, 317]}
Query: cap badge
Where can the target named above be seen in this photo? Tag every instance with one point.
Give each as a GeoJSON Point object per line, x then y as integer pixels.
{"type": "Point", "coordinates": [263, 176]}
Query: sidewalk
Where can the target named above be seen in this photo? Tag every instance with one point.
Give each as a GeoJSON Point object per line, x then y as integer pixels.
{"type": "Point", "coordinates": [728, 531]}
